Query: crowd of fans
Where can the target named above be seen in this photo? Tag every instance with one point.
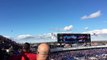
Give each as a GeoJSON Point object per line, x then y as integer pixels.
{"type": "Point", "coordinates": [12, 53]}
{"type": "Point", "coordinates": [90, 54]}
{"type": "Point", "coordinates": [10, 50]}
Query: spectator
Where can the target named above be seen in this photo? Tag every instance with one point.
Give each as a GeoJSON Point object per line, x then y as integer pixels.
{"type": "Point", "coordinates": [98, 54]}
{"type": "Point", "coordinates": [1, 55]}
{"type": "Point", "coordinates": [43, 51]}
{"type": "Point", "coordinates": [27, 55]}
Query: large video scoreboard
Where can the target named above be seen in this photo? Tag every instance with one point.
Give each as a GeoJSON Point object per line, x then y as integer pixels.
{"type": "Point", "coordinates": [73, 38]}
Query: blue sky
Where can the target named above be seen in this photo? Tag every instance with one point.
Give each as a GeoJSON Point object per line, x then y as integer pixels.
{"type": "Point", "coordinates": [35, 17]}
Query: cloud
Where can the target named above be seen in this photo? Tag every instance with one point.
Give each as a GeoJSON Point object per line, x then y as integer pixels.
{"type": "Point", "coordinates": [9, 37]}
{"type": "Point", "coordinates": [98, 35]}
{"type": "Point", "coordinates": [68, 28]}
{"type": "Point", "coordinates": [6, 36]}
{"type": "Point", "coordinates": [48, 37]}
{"type": "Point", "coordinates": [26, 36]}
{"type": "Point", "coordinates": [86, 28]}
{"type": "Point", "coordinates": [101, 31]}
{"type": "Point", "coordinates": [93, 15]}
{"type": "Point", "coordinates": [52, 37]}
{"type": "Point", "coordinates": [65, 28]}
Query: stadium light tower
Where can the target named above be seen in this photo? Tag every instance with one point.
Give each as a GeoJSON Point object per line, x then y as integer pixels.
{"type": "Point", "coordinates": [94, 34]}
{"type": "Point", "coordinates": [54, 36]}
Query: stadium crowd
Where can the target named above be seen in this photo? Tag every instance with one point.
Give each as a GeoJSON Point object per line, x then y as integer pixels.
{"type": "Point", "coordinates": [9, 50]}
{"type": "Point", "coordinates": [90, 54]}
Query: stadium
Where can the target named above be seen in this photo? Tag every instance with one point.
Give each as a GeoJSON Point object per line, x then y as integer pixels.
{"type": "Point", "coordinates": [53, 30]}
{"type": "Point", "coordinates": [67, 47]}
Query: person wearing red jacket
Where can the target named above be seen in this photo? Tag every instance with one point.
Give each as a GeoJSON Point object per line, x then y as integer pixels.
{"type": "Point", "coordinates": [27, 55]}
{"type": "Point", "coordinates": [42, 52]}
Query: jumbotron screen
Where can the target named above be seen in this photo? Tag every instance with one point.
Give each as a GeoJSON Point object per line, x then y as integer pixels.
{"type": "Point", "coordinates": [73, 38]}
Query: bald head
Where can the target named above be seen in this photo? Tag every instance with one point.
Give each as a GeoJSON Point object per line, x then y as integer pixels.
{"type": "Point", "coordinates": [42, 51]}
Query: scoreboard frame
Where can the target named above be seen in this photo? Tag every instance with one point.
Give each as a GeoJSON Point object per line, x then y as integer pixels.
{"type": "Point", "coordinates": [72, 38]}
